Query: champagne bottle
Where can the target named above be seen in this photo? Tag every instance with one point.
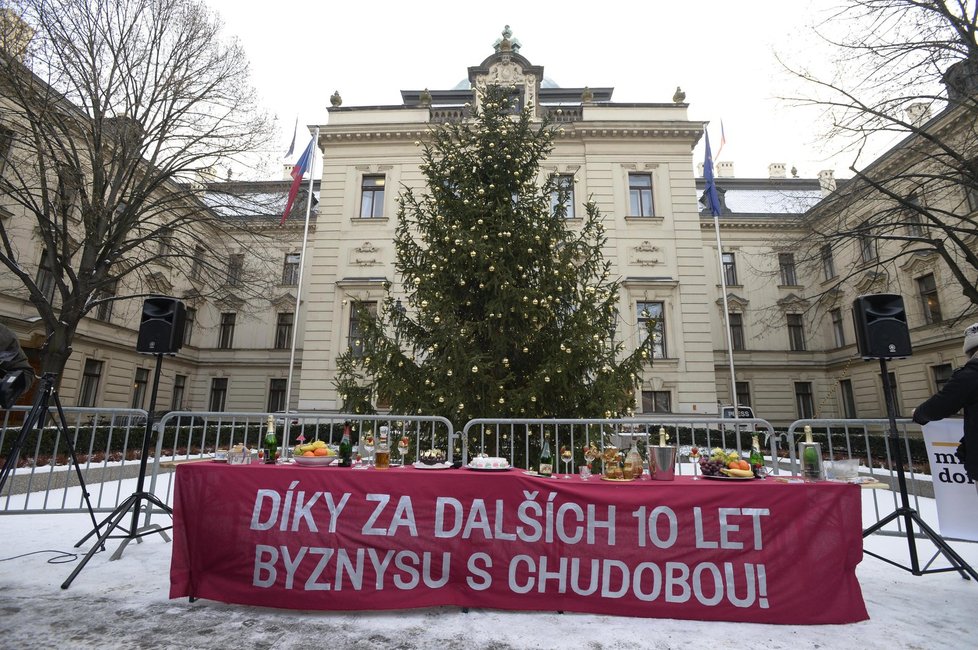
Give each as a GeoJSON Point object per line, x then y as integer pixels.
{"type": "Point", "coordinates": [756, 459]}
{"type": "Point", "coordinates": [663, 436]}
{"type": "Point", "coordinates": [633, 462]}
{"type": "Point", "coordinates": [346, 447]}
{"type": "Point", "coordinates": [382, 453]}
{"type": "Point", "coordinates": [271, 442]}
{"type": "Point", "coordinates": [546, 459]}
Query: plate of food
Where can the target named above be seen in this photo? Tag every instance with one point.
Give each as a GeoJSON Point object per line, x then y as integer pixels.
{"type": "Point", "coordinates": [724, 477]}
{"type": "Point", "coordinates": [432, 465]}
{"type": "Point", "coordinates": [489, 464]}
{"type": "Point", "coordinates": [617, 480]}
{"type": "Point", "coordinates": [314, 461]}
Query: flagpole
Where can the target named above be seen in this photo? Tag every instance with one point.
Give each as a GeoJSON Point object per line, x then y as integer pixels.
{"type": "Point", "coordinates": [713, 203]}
{"type": "Point", "coordinates": [302, 265]}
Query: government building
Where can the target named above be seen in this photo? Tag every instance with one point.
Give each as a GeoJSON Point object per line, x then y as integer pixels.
{"type": "Point", "coordinates": [791, 335]}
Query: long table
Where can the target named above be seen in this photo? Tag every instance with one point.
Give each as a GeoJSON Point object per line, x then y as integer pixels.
{"type": "Point", "coordinates": [330, 538]}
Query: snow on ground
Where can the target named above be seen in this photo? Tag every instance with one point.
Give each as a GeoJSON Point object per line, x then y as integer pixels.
{"type": "Point", "coordinates": [125, 604]}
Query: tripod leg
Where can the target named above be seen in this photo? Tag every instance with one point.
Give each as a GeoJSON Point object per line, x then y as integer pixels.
{"type": "Point", "coordinates": [113, 523]}
{"type": "Point", "coordinates": [39, 406]}
{"type": "Point", "coordinates": [149, 529]}
{"type": "Point", "coordinates": [956, 560]}
{"type": "Point", "coordinates": [63, 423]}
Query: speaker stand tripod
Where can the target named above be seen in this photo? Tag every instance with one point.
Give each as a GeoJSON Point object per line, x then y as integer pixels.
{"type": "Point", "coordinates": [46, 394]}
{"type": "Point", "coordinates": [908, 514]}
{"type": "Point", "coordinates": [138, 502]}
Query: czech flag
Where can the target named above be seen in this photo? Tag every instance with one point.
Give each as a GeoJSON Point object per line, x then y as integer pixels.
{"type": "Point", "coordinates": [304, 163]}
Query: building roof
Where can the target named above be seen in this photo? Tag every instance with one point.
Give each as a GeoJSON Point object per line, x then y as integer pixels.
{"type": "Point", "coordinates": [763, 196]}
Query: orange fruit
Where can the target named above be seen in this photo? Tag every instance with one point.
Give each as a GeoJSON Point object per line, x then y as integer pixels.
{"type": "Point", "coordinates": [734, 464]}
{"type": "Point", "coordinates": [308, 453]}
{"type": "Point", "coordinates": [320, 451]}
{"type": "Point", "coordinates": [743, 464]}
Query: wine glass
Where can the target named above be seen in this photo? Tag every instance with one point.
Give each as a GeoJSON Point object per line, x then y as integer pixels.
{"type": "Point", "coordinates": [403, 444]}
{"type": "Point", "coordinates": [368, 447]}
{"type": "Point", "coordinates": [567, 456]}
{"type": "Point", "coordinates": [694, 455]}
{"type": "Point", "coordinates": [590, 454]}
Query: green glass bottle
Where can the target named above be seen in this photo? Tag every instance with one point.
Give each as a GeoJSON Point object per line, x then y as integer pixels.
{"type": "Point", "coordinates": [346, 447]}
{"type": "Point", "coordinates": [271, 442]}
{"type": "Point", "coordinates": [546, 459]}
{"type": "Point", "coordinates": [756, 459]}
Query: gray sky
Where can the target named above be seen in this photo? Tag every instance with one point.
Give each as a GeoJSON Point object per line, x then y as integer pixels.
{"type": "Point", "coordinates": [721, 53]}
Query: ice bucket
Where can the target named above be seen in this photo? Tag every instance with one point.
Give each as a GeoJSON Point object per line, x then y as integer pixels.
{"type": "Point", "coordinates": [662, 462]}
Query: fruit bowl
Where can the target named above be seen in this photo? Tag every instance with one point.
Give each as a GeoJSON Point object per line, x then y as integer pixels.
{"type": "Point", "coordinates": [315, 461]}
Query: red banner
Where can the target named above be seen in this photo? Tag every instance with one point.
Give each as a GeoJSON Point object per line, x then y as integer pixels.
{"type": "Point", "coordinates": [343, 539]}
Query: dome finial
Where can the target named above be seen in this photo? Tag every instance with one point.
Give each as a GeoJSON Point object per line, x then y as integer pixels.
{"type": "Point", "coordinates": [507, 43]}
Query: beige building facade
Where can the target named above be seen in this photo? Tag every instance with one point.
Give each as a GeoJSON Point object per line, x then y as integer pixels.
{"type": "Point", "coordinates": [794, 345]}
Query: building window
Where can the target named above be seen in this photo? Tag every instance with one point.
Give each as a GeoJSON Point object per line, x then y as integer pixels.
{"type": "Point", "coordinates": [894, 390]}
{"type": "Point", "coordinates": [226, 337]}
{"type": "Point", "coordinates": [838, 330]}
{"type": "Point", "coordinates": [283, 331]}
{"type": "Point", "coordinates": [729, 269]}
{"type": "Point", "coordinates": [372, 197]}
{"type": "Point", "coordinates": [931, 304]}
{"type": "Point", "coordinates": [743, 393]}
{"type": "Point", "coordinates": [91, 376]}
{"type": "Point", "coordinates": [796, 332]}
{"type": "Point", "coordinates": [828, 262]}
{"type": "Point", "coordinates": [235, 268]}
{"type": "Point", "coordinates": [867, 243]}
{"type": "Point", "coordinates": [942, 374]}
{"type": "Point", "coordinates": [103, 311]}
{"type": "Point", "coordinates": [967, 182]}
{"type": "Point", "coordinates": [219, 393]}
{"type": "Point", "coordinates": [736, 321]}
{"type": "Point", "coordinates": [653, 311]}
{"type": "Point", "coordinates": [848, 398]}
{"type": "Point", "coordinates": [290, 270]}
{"type": "Point", "coordinates": [656, 401]}
{"type": "Point", "coordinates": [803, 400]}
{"type": "Point", "coordinates": [165, 242]}
{"type": "Point", "coordinates": [786, 262]}
{"type": "Point", "coordinates": [6, 144]}
{"type": "Point", "coordinates": [139, 387]}
{"type": "Point", "coordinates": [562, 196]}
{"type": "Point", "coordinates": [276, 395]}
{"type": "Point", "coordinates": [640, 195]}
{"type": "Point", "coordinates": [69, 185]}
{"type": "Point", "coordinates": [198, 263]}
{"type": "Point", "coordinates": [356, 327]}
{"type": "Point", "coordinates": [915, 227]}
{"type": "Point", "coordinates": [179, 388]}
{"type": "Point", "coordinates": [188, 325]}
{"type": "Point", "coordinates": [45, 276]}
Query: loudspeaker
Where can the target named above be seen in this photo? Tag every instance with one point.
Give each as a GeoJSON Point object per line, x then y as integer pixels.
{"type": "Point", "coordinates": [881, 326]}
{"type": "Point", "coordinates": [161, 326]}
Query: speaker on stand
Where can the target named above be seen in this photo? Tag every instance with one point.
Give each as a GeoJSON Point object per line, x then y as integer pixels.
{"type": "Point", "coordinates": [882, 333]}
{"type": "Point", "coordinates": [161, 329]}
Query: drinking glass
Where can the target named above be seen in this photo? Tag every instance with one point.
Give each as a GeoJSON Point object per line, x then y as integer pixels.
{"type": "Point", "coordinates": [694, 455]}
{"type": "Point", "coordinates": [566, 455]}
{"type": "Point", "coordinates": [585, 472]}
{"type": "Point", "coordinates": [403, 444]}
{"type": "Point", "coordinates": [368, 447]}
{"type": "Point", "coordinates": [590, 454]}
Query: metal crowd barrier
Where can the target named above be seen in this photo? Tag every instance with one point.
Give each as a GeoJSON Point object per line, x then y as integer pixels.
{"type": "Point", "coordinates": [518, 440]}
{"type": "Point", "coordinates": [107, 443]}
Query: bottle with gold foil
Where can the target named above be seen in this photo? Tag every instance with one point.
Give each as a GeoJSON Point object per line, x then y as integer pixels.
{"type": "Point", "coordinates": [546, 459]}
{"type": "Point", "coordinates": [271, 441]}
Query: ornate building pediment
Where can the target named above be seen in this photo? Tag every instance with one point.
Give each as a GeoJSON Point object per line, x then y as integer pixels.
{"type": "Point", "coordinates": [793, 301]}
{"type": "Point", "coordinates": [645, 254]}
{"type": "Point", "coordinates": [508, 68]}
{"type": "Point", "coordinates": [159, 283]}
{"type": "Point", "coordinates": [734, 302]}
{"type": "Point", "coordinates": [230, 301]}
{"type": "Point", "coordinates": [920, 262]}
{"type": "Point", "coordinates": [832, 297]}
{"type": "Point", "coordinates": [871, 280]}
{"type": "Point", "coordinates": [285, 301]}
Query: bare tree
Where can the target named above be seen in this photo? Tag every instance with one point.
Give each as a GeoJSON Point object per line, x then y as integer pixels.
{"type": "Point", "coordinates": [116, 110]}
{"type": "Point", "coordinates": [904, 83]}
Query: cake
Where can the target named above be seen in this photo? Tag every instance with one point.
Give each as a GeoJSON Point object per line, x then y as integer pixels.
{"type": "Point", "coordinates": [489, 462]}
{"type": "Point", "coordinates": [432, 456]}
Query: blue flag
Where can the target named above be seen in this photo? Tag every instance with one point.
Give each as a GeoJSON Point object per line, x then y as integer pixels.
{"type": "Point", "coordinates": [712, 198]}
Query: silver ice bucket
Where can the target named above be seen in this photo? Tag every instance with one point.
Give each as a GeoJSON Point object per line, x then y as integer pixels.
{"type": "Point", "coordinates": [662, 463]}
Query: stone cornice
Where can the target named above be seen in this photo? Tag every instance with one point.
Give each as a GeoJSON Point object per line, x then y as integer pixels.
{"type": "Point", "coordinates": [574, 130]}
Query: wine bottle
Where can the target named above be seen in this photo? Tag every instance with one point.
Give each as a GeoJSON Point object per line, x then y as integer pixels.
{"type": "Point", "coordinates": [756, 459]}
{"type": "Point", "coordinates": [271, 442]}
{"type": "Point", "coordinates": [346, 447]}
{"type": "Point", "coordinates": [633, 462]}
{"type": "Point", "coordinates": [546, 459]}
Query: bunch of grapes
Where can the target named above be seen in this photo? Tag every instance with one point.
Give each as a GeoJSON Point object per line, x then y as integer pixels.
{"type": "Point", "coordinates": [718, 460]}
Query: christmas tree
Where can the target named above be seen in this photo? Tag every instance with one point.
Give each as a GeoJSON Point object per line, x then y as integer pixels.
{"type": "Point", "coordinates": [510, 312]}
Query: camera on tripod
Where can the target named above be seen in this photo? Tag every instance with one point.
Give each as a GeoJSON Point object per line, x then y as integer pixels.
{"type": "Point", "coordinates": [12, 385]}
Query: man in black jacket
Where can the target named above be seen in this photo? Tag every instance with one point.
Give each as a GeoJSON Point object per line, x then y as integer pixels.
{"type": "Point", "coordinates": [960, 392]}
{"type": "Point", "coordinates": [16, 374]}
